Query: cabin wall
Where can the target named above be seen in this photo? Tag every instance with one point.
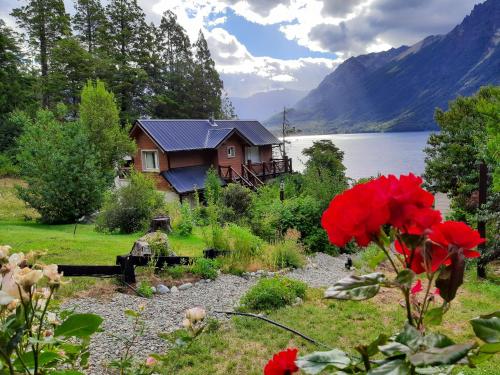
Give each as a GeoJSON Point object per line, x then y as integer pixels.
{"type": "Point", "coordinates": [191, 158]}
{"type": "Point", "coordinates": [266, 153]}
{"type": "Point", "coordinates": [224, 160]}
{"type": "Point", "coordinates": [144, 142]}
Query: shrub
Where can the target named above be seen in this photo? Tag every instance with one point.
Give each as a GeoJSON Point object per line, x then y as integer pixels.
{"type": "Point", "coordinates": [369, 258]}
{"type": "Point", "coordinates": [185, 226]}
{"type": "Point", "coordinates": [206, 268]}
{"type": "Point", "coordinates": [176, 272]}
{"type": "Point", "coordinates": [235, 203]}
{"type": "Point", "coordinates": [273, 293]}
{"type": "Point", "coordinates": [145, 289]}
{"type": "Point", "coordinates": [243, 243]}
{"type": "Point", "coordinates": [130, 208]}
{"type": "Point", "coordinates": [62, 170]}
{"type": "Point", "coordinates": [286, 254]}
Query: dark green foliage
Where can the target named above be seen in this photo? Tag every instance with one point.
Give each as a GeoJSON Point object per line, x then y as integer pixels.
{"type": "Point", "coordinates": [64, 181]}
{"type": "Point", "coordinates": [185, 226]}
{"type": "Point", "coordinates": [304, 214]}
{"type": "Point", "coordinates": [269, 294]}
{"type": "Point", "coordinates": [324, 176]}
{"type": "Point", "coordinates": [130, 208]}
{"type": "Point", "coordinates": [70, 67]}
{"type": "Point", "coordinates": [45, 22]}
{"type": "Point", "coordinates": [89, 21]}
{"type": "Point", "coordinates": [15, 86]}
{"type": "Point", "coordinates": [176, 272]}
{"type": "Point", "coordinates": [7, 167]}
{"type": "Point", "coordinates": [213, 188]}
{"type": "Point", "coordinates": [235, 203]}
{"type": "Point", "coordinates": [205, 268]}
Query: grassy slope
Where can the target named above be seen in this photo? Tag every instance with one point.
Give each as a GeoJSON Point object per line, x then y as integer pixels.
{"type": "Point", "coordinates": [243, 345]}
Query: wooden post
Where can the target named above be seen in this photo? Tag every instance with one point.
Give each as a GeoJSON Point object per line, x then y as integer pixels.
{"type": "Point", "coordinates": [286, 163]}
{"type": "Point", "coordinates": [481, 224]}
{"type": "Point", "coordinates": [274, 168]}
{"type": "Point", "coordinates": [263, 170]}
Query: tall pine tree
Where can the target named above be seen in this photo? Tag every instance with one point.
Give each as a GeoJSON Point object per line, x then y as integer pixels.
{"type": "Point", "coordinates": [126, 30]}
{"type": "Point", "coordinates": [45, 22]}
{"type": "Point", "coordinates": [206, 93]}
{"type": "Point", "coordinates": [88, 21]}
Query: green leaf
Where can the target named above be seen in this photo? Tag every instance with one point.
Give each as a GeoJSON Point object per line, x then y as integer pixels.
{"type": "Point", "coordinates": [394, 367]}
{"type": "Point", "coordinates": [79, 325]}
{"type": "Point", "coordinates": [405, 278]}
{"type": "Point", "coordinates": [394, 348]}
{"type": "Point", "coordinates": [487, 328]}
{"type": "Point", "coordinates": [316, 362]}
{"type": "Point", "coordinates": [44, 358]}
{"type": "Point", "coordinates": [132, 313]}
{"type": "Point", "coordinates": [410, 337]}
{"type": "Point", "coordinates": [434, 316]}
{"type": "Point", "coordinates": [373, 347]}
{"type": "Point", "coordinates": [490, 348]}
{"type": "Point", "coordinates": [356, 287]}
{"type": "Point", "coordinates": [436, 340]}
{"type": "Point", "coordinates": [440, 356]}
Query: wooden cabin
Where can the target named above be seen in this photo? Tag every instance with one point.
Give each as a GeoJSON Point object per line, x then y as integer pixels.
{"type": "Point", "coordinates": [178, 153]}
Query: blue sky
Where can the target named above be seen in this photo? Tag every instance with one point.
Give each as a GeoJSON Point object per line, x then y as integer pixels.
{"type": "Point", "coordinates": [261, 45]}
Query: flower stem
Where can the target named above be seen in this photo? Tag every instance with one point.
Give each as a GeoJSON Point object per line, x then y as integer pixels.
{"type": "Point", "coordinates": [409, 316]}
{"type": "Point", "coordinates": [382, 247]}
{"type": "Point", "coordinates": [8, 361]}
{"type": "Point", "coordinates": [426, 303]}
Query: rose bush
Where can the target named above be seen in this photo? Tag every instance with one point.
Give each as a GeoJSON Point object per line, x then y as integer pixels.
{"type": "Point", "coordinates": [427, 256]}
{"type": "Point", "coordinates": [34, 340]}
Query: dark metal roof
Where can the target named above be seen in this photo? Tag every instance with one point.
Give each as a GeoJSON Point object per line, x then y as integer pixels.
{"type": "Point", "coordinates": [187, 179]}
{"type": "Point", "coordinates": [179, 135]}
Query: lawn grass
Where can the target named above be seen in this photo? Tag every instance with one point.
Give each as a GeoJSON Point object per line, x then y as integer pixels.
{"type": "Point", "coordinates": [67, 244]}
{"type": "Point", "coordinates": [244, 345]}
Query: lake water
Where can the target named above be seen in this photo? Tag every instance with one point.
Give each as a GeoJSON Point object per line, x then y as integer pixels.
{"type": "Point", "coordinates": [369, 154]}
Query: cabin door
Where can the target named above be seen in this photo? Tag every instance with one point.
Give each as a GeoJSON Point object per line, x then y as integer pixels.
{"type": "Point", "coordinates": [252, 154]}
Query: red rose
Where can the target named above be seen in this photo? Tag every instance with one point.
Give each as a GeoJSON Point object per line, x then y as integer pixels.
{"type": "Point", "coordinates": [417, 263]}
{"type": "Point", "coordinates": [410, 206]}
{"type": "Point", "coordinates": [357, 213]}
{"type": "Point", "coordinates": [456, 233]}
{"type": "Point", "coordinates": [417, 287]}
{"type": "Point", "coordinates": [282, 363]}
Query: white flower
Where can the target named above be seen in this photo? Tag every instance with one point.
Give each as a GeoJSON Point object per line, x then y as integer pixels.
{"type": "Point", "coordinates": [5, 298]}
{"type": "Point", "coordinates": [8, 285]}
{"type": "Point", "coordinates": [196, 314]}
{"type": "Point", "coordinates": [4, 251]}
{"type": "Point", "coordinates": [50, 271]}
{"type": "Point", "coordinates": [26, 277]}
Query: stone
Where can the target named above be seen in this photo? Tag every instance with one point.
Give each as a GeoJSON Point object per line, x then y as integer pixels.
{"type": "Point", "coordinates": [185, 286]}
{"type": "Point", "coordinates": [298, 301]}
{"type": "Point", "coordinates": [162, 289]}
{"type": "Point", "coordinates": [155, 243]}
{"type": "Point", "coordinates": [154, 289]}
{"type": "Point", "coordinates": [174, 290]}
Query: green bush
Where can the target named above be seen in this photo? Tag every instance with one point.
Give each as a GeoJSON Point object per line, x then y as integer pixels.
{"type": "Point", "coordinates": [185, 226]}
{"type": "Point", "coordinates": [286, 254]}
{"type": "Point", "coordinates": [235, 203]}
{"type": "Point", "coordinates": [130, 208]}
{"type": "Point", "coordinates": [369, 258]}
{"type": "Point", "coordinates": [145, 289]}
{"type": "Point", "coordinates": [273, 293]}
{"type": "Point", "coordinates": [176, 272]}
{"type": "Point", "coordinates": [243, 243]}
{"type": "Point", "coordinates": [206, 268]}
{"type": "Point", "coordinates": [7, 168]}
{"type": "Point", "coordinates": [158, 243]}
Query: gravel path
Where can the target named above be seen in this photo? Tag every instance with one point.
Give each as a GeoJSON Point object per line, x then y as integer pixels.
{"type": "Point", "coordinates": [164, 313]}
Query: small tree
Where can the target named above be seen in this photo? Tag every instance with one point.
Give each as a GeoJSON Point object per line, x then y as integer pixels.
{"type": "Point", "coordinates": [324, 176]}
{"type": "Point", "coordinates": [100, 117]}
{"type": "Point", "coordinates": [59, 164]}
{"type": "Point", "coordinates": [131, 207]}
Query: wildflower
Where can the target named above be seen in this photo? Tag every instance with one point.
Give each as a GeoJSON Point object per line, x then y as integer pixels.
{"type": "Point", "coordinates": [455, 233]}
{"type": "Point", "coordinates": [151, 362]}
{"type": "Point", "coordinates": [4, 251]}
{"type": "Point", "coordinates": [282, 363]}
{"type": "Point", "coordinates": [26, 277]}
{"type": "Point", "coordinates": [417, 287]}
{"type": "Point", "coordinates": [50, 271]}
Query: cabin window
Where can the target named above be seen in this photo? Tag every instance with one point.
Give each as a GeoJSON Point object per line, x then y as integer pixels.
{"type": "Point", "coordinates": [150, 160]}
{"type": "Point", "coordinates": [231, 151]}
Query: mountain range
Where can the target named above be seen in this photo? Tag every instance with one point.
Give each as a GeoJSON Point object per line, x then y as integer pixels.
{"type": "Point", "coordinates": [399, 89]}
{"type": "Point", "coordinates": [263, 105]}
